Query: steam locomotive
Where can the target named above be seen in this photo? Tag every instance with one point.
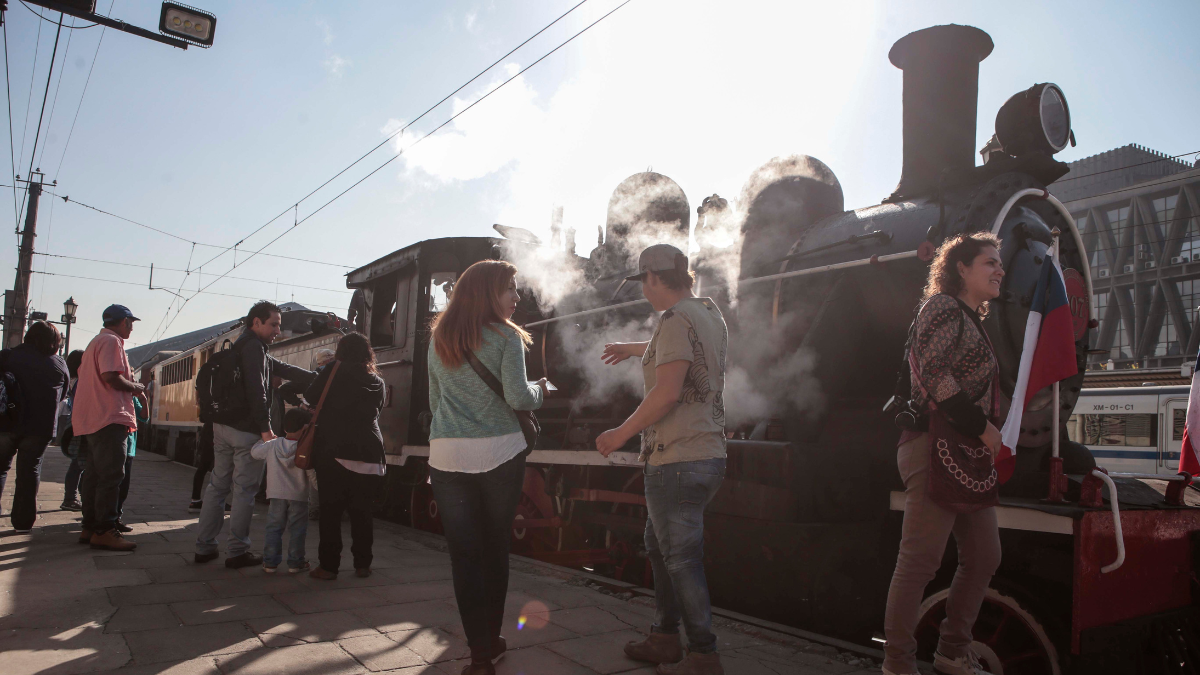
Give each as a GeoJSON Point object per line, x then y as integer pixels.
{"type": "Point", "coordinates": [806, 526]}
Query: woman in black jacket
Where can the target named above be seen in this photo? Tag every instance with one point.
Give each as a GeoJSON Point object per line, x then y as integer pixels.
{"type": "Point", "coordinates": [348, 453]}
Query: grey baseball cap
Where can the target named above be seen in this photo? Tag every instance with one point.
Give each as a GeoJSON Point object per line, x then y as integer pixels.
{"type": "Point", "coordinates": [659, 258]}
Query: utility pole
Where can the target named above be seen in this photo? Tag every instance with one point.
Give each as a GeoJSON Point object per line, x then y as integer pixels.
{"type": "Point", "coordinates": [17, 302]}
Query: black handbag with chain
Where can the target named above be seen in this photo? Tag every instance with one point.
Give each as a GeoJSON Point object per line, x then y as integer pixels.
{"type": "Point", "coordinates": [530, 426]}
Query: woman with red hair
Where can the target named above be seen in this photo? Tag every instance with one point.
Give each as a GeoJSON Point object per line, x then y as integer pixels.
{"type": "Point", "coordinates": [476, 447]}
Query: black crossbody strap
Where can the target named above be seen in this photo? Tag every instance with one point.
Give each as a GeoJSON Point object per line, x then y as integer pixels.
{"type": "Point", "coordinates": [486, 375]}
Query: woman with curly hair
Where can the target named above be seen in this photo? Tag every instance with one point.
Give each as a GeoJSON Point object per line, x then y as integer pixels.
{"type": "Point", "coordinates": [953, 360]}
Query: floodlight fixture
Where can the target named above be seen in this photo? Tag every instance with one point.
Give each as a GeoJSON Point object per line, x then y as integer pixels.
{"type": "Point", "coordinates": [187, 23]}
{"type": "Point", "coordinates": [1036, 120]}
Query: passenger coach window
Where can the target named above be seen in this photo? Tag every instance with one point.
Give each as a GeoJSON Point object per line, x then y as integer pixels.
{"type": "Point", "coordinates": [1178, 417]}
{"type": "Point", "coordinates": [383, 312]}
{"type": "Point", "coordinates": [1127, 430]}
{"type": "Point", "coordinates": [441, 285]}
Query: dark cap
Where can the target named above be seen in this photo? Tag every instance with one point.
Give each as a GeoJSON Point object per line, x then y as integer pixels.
{"type": "Point", "coordinates": [659, 258]}
{"type": "Point", "coordinates": [115, 313]}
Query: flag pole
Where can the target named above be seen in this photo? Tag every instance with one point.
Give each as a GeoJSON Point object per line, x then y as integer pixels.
{"type": "Point", "coordinates": [1056, 466]}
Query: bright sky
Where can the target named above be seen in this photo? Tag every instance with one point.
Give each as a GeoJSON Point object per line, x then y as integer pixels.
{"type": "Point", "coordinates": [211, 144]}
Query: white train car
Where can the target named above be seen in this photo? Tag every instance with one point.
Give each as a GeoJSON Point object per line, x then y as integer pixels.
{"type": "Point", "coordinates": [1132, 429]}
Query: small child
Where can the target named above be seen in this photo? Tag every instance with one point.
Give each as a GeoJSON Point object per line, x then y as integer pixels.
{"type": "Point", "coordinates": [287, 488]}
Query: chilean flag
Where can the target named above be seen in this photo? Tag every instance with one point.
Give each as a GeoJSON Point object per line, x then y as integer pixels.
{"type": "Point", "coordinates": [1189, 460]}
{"type": "Point", "coordinates": [1047, 356]}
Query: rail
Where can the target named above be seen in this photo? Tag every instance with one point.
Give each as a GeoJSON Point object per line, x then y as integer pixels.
{"type": "Point", "coordinates": [1151, 476]}
{"type": "Point", "coordinates": [873, 260]}
{"type": "Point", "coordinates": [1040, 193]}
{"type": "Point", "coordinates": [1116, 511]}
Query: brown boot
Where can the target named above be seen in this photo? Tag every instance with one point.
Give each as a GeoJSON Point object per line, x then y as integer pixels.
{"type": "Point", "coordinates": [656, 648]}
{"type": "Point", "coordinates": [112, 541]}
{"type": "Point", "coordinates": [85, 537]}
{"type": "Point", "coordinates": [694, 664]}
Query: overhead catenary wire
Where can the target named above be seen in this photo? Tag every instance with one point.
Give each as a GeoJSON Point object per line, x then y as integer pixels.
{"type": "Point", "coordinates": [86, 82]}
{"type": "Point", "coordinates": [185, 239]}
{"type": "Point", "coordinates": [397, 155]}
{"type": "Point", "coordinates": [11, 148]}
{"type": "Point", "coordinates": [138, 283]}
{"type": "Point", "coordinates": [45, 18]}
{"type": "Point", "coordinates": [49, 75]}
{"type": "Point", "coordinates": [399, 131]}
{"type": "Point", "coordinates": [176, 269]}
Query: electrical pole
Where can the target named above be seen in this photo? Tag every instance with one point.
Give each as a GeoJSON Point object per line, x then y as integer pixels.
{"type": "Point", "coordinates": [17, 302]}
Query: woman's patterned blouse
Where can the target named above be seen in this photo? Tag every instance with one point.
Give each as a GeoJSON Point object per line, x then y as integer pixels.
{"type": "Point", "coordinates": [949, 364]}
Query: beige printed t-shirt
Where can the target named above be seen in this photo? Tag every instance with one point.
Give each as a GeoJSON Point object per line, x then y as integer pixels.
{"type": "Point", "coordinates": [693, 330]}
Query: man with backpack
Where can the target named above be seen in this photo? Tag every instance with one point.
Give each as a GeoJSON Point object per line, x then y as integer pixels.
{"type": "Point", "coordinates": [104, 414]}
{"type": "Point", "coordinates": [234, 390]}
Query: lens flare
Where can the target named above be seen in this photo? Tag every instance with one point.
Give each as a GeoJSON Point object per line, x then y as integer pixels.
{"type": "Point", "coordinates": [520, 622]}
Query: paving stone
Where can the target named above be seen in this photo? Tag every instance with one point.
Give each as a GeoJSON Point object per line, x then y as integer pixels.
{"type": "Point", "coordinates": [267, 584]}
{"type": "Point", "coordinates": [153, 594]}
{"type": "Point", "coordinates": [587, 620]}
{"type": "Point", "coordinates": [309, 601]}
{"type": "Point", "coordinates": [566, 597]}
{"type": "Point", "coordinates": [227, 609]}
{"type": "Point", "coordinates": [345, 580]}
{"type": "Point", "coordinates": [402, 593]}
{"type": "Point", "coordinates": [141, 617]}
{"type": "Point", "coordinates": [163, 546]}
{"type": "Point", "coordinates": [635, 615]}
{"type": "Point", "coordinates": [378, 652]}
{"type": "Point", "coordinates": [321, 627]}
{"type": "Point", "coordinates": [49, 651]}
{"type": "Point", "coordinates": [602, 653]}
{"type": "Point", "coordinates": [535, 632]}
{"type": "Point", "coordinates": [738, 664]}
{"type": "Point", "coordinates": [136, 561]}
{"type": "Point", "coordinates": [192, 572]}
{"type": "Point", "coordinates": [410, 616]}
{"type": "Point", "coordinates": [433, 644]}
{"type": "Point", "coordinates": [424, 558]}
{"type": "Point", "coordinates": [188, 642]}
{"type": "Point", "coordinates": [325, 658]}
{"type": "Point", "coordinates": [204, 665]}
{"type": "Point", "coordinates": [410, 575]}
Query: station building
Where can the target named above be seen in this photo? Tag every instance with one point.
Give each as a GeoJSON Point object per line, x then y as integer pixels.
{"type": "Point", "coordinates": [1138, 211]}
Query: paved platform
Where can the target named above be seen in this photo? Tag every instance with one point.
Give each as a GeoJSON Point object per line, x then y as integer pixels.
{"type": "Point", "coordinates": [65, 608]}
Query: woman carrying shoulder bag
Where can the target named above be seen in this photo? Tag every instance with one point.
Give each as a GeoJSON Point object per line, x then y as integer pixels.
{"type": "Point", "coordinates": [476, 445]}
{"type": "Point", "coordinates": [348, 453]}
{"type": "Point", "coordinates": [947, 461]}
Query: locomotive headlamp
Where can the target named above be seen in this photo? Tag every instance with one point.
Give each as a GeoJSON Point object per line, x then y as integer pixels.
{"type": "Point", "coordinates": [194, 25]}
{"type": "Point", "coordinates": [1035, 120]}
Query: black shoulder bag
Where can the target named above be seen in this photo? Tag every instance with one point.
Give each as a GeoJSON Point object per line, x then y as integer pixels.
{"type": "Point", "coordinates": [529, 422]}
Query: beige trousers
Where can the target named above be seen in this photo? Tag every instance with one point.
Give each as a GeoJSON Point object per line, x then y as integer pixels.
{"type": "Point", "coordinates": [927, 526]}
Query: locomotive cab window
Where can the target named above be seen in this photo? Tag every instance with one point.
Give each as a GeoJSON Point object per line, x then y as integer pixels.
{"type": "Point", "coordinates": [441, 285]}
{"type": "Point", "coordinates": [389, 310]}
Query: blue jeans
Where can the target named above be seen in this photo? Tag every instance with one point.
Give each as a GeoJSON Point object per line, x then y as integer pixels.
{"type": "Point", "coordinates": [71, 480]}
{"type": "Point", "coordinates": [293, 515]}
{"type": "Point", "coordinates": [676, 495]}
{"type": "Point", "coordinates": [233, 469]}
{"type": "Point", "coordinates": [27, 449]}
{"type": "Point", "coordinates": [477, 514]}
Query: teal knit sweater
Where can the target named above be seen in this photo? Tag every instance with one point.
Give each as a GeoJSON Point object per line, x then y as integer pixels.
{"type": "Point", "coordinates": [462, 404]}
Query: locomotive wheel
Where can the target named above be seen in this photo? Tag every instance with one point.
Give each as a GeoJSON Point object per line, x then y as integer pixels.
{"type": "Point", "coordinates": [1009, 639]}
{"type": "Point", "coordinates": [525, 540]}
{"type": "Point", "coordinates": [423, 511]}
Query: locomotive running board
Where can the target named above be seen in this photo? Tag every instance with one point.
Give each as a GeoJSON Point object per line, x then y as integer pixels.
{"type": "Point", "coordinates": [1015, 518]}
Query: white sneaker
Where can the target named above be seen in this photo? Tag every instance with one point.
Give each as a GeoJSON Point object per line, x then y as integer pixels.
{"type": "Point", "coordinates": [269, 570]}
{"type": "Point", "coordinates": [963, 665]}
{"type": "Point", "coordinates": [300, 568]}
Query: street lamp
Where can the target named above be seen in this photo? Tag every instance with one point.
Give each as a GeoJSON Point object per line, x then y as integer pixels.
{"type": "Point", "coordinates": [68, 318]}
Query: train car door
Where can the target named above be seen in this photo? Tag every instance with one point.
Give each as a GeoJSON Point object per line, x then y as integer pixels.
{"type": "Point", "coordinates": [1173, 416]}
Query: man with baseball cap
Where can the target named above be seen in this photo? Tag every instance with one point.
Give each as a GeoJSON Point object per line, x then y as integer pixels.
{"type": "Point", "coordinates": [682, 422]}
{"type": "Point", "coordinates": [104, 414]}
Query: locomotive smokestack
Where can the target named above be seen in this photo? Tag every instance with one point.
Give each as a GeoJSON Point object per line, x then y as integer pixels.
{"type": "Point", "coordinates": [941, 97]}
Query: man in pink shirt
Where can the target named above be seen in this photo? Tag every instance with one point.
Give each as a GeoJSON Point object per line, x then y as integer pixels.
{"type": "Point", "coordinates": [104, 415]}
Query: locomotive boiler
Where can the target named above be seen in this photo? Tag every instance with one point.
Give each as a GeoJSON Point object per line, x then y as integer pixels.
{"type": "Point", "coordinates": [805, 528]}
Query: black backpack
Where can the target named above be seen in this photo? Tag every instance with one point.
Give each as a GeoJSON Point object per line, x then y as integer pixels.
{"type": "Point", "coordinates": [221, 388]}
{"type": "Point", "coordinates": [11, 400]}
